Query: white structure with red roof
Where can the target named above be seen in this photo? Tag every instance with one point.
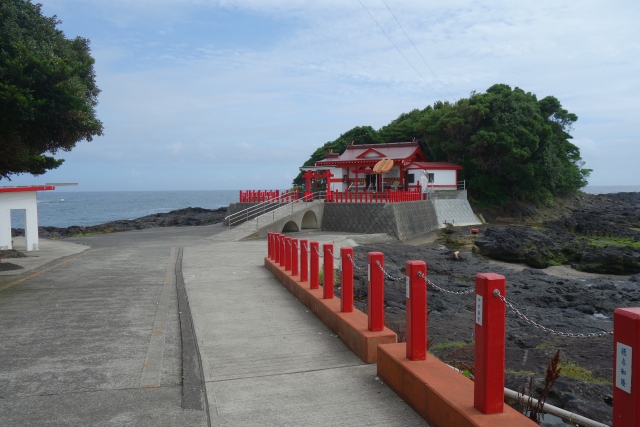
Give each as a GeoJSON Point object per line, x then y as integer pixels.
{"type": "Point", "coordinates": [20, 198]}
{"type": "Point", "coordinates": [354, 169]}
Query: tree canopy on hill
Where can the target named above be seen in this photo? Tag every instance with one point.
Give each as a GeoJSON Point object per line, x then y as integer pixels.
{"type": "Point", "coordinates": [510, 144]}
{"type": "Point", "coordinates": [47, 90]}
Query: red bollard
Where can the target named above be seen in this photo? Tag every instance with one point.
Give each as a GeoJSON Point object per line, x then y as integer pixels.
{"type": "Point", "coordinates": [416, 304]}
{"type": "Point", "coordinates": [281, 248]}
{"type": "Point", "coordinates": [276, 248]}
{"type": "Point", "coordinates": [304, 260]}
{"type": "Point", "coordinates": [375, 288]}
{"type": "Point", "coordinates": [315, 265]}
{"type": "Point", "coordinates": [287, 254]}
{"type": "Point", "coordinates": [270, 245]}
{"type": "Point", "coordinates": [346, 280]}
{"type": "Point", "coordinates": [626, 367]}
{"type": "Point", "coordinates": [327, 287]}
{"type": "Point", "coordinates": [490, 331]}
{"type": "Point", "coordinates": [294, 257]}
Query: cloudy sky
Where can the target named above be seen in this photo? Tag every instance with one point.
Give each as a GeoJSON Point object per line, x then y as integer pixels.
{"type": "Point", "coordinates": [204, 95]}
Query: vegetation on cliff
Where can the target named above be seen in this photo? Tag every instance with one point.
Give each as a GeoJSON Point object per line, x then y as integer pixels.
{"type": "Point", "coordinates": [510, 144]}
{"type": "Point", "coordinates": [48, 91]}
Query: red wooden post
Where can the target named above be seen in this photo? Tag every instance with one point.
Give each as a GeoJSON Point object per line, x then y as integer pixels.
{"type": "Point", "coordinates": [304, 260]}
{"type": "Point", "coordinates": [287, 254]}
{"type": "Point", "coordinates": [375, 291]}
{"type": "Point", "coordinates": [346, 280]}
{"type": "Point", "coordinates": [327, 287]}
{"type": "Point", "coordinates": [294, 257]}
{"type": "Point", "coordinates": [276, 248]}
{"type": "Point", "coordinates": [490, 331]}
{"type": "Point", "coordinates": [626, 367]}
{"type": "Point", "coordinates": [315, 265]}
{"type": "Point", "coordinates": [416, 304]}
{"type": "Point", "coordinates": [282, 256]}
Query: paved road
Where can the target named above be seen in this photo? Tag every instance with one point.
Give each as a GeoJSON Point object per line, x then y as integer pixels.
{"type": "Point", "coordinates": [75, 339]}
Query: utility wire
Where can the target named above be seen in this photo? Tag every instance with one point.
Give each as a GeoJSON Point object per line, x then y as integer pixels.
{"type": "Point", "coordinates": [394, 45]}
{"type": "Point", "coordinates": [414, 46]}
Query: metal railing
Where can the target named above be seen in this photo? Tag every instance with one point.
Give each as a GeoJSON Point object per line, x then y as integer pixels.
{"type": "Point", "coordinates": [318, 195]}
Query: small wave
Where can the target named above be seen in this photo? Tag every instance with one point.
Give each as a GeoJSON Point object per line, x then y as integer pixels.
{"type": "Point", "coordinates": [62, 200]}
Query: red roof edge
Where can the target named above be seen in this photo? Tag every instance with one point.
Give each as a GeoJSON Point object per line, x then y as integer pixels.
{"type": "Point", "coordinates": [26, 188]}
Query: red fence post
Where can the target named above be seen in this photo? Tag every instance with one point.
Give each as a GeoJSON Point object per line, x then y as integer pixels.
{"type": "Point", "coordinates": [416, 304]}
{"type": "Point", "coordinates": [269, 245]}
{"type": "Point", "coordinates": [626, 367]}
{"type": "Point", "coordinates": [276, 248]}
{"type": "Point", "coordinates": [287, 254]}
{"type": "Point", "coordinates": [282, 256]}
{"type": "Point", "coordinates": [294, 257]}
{"type": "Point", "coordinates": [375, 291]}
{"type": "Point", "coordinates": [304, 260]}
{"type": "Point", "coordinates": [315, 265]}
{"type": "Point", "coordinates": [346, 279]}
{"type": "Point", "coordinates": [490, 331]}
{"type": "Point", "coordinates": [327, 287]}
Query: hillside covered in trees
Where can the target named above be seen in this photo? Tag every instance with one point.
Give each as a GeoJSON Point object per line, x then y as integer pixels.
{"type": "Point", "coordinates": [510, 144]}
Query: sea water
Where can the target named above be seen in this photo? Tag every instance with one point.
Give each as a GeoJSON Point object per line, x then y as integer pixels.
{"type": "Point", "coordinates": [63, 209]}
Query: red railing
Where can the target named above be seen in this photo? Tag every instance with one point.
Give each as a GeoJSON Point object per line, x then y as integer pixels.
{"type": "Point", "coordinates": [276, 196]}
{"type": "Point", "coordinates": [388, 196]}
{"type": "Point", "coordinates": [287, 196]}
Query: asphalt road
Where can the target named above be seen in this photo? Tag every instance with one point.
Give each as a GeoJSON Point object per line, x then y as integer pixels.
{"type": "Point", "coordinates": [98, 341]}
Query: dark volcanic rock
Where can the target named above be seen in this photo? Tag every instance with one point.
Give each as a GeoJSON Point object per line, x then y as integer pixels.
{"type": "Point", "coordinates": [11, 253]}
{"type": "Point", "coordinates": [7, 266]}
{"type": "Point", "coordinates": [635, 278]}
{"type": "Point", "coordinates": [178, 218]}
{"type": "Point", "coordinates": [599, 236]}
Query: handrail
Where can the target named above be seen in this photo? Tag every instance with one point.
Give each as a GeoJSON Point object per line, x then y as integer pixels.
{"type": "Point", "coordinates": [245, 214]}
{"type": "Point", "coordinates": [320, 195]}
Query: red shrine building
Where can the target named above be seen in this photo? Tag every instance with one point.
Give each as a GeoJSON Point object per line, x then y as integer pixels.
{"type": "Point", "coordinates": [378, 167]}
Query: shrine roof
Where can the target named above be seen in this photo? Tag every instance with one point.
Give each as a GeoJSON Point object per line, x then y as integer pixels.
{"type": "Point", "coordinates": [375, 152]}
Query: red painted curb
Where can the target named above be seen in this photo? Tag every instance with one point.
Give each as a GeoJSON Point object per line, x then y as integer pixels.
{"type": "Point", "coordinates": [438, 393]}
{"type": "Point", "coordinates": [352, 328]}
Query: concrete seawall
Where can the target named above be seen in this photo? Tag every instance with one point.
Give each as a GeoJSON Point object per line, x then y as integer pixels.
{"type": "Point", "coordinates": [401, 220]}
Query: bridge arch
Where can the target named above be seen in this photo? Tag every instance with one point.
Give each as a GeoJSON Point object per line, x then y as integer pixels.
{"type": "Point", "coordinates": [309, 220]}
{"type": "Point", "coordinates": [290, 226]}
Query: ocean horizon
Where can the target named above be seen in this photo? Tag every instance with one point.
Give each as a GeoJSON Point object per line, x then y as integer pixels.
{"type": "Point", "coordinates": [84, 208]}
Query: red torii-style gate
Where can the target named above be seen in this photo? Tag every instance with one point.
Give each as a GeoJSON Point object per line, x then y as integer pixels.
{"type": "Point", "coordinates": [309, 175]}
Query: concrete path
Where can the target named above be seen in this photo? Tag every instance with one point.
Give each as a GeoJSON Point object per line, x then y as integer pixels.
{"type": "Point", "coordinates": [267, 361]}
{"type": "Point", "coordinates": [96, 341]}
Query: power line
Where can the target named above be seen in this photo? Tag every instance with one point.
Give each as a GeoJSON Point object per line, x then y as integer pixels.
{"type": "Point", "coordinates": [414, 46]}
{"type": "Point", "coordinates": [394, 45]}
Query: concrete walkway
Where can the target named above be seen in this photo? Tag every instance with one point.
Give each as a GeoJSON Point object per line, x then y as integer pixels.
{"type": "Point", "coordinates": [266, 359]}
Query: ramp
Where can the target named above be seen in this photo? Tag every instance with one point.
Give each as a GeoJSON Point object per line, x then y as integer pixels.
{"type": "Point", "coordinates": [294, 216]}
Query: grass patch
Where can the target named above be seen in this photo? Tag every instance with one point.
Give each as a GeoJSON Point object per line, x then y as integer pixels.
{"type": "Point", "coordinates": [577, 372]}
{"type": "Point", "coordinates": [513, 371]}
{"type": "Point", "coordinates": [544, 345]}
{"type": "Point", "coordinates": [94, 233]}
{"type": "Point", "coordinates": [452, 344]}
{"type": "Point", "coordinates": [635, 229]}
{"type": "Point", "coordinates": [614, 241]}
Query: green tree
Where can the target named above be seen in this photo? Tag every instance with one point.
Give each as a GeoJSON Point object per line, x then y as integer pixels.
{"type": "Point", "coordinates": [511, 145]}
{"type": "Point", "coordinates": [48, 92]}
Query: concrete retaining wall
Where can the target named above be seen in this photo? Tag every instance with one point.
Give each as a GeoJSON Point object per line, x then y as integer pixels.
{"type": "Point", "coordinates": [401, 220]}
{"type": "Point", "coordinates": [455, 211]}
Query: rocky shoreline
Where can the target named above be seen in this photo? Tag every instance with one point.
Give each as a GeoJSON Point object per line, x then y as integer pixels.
{"type": "Point", "coordinates": [178, 218]}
